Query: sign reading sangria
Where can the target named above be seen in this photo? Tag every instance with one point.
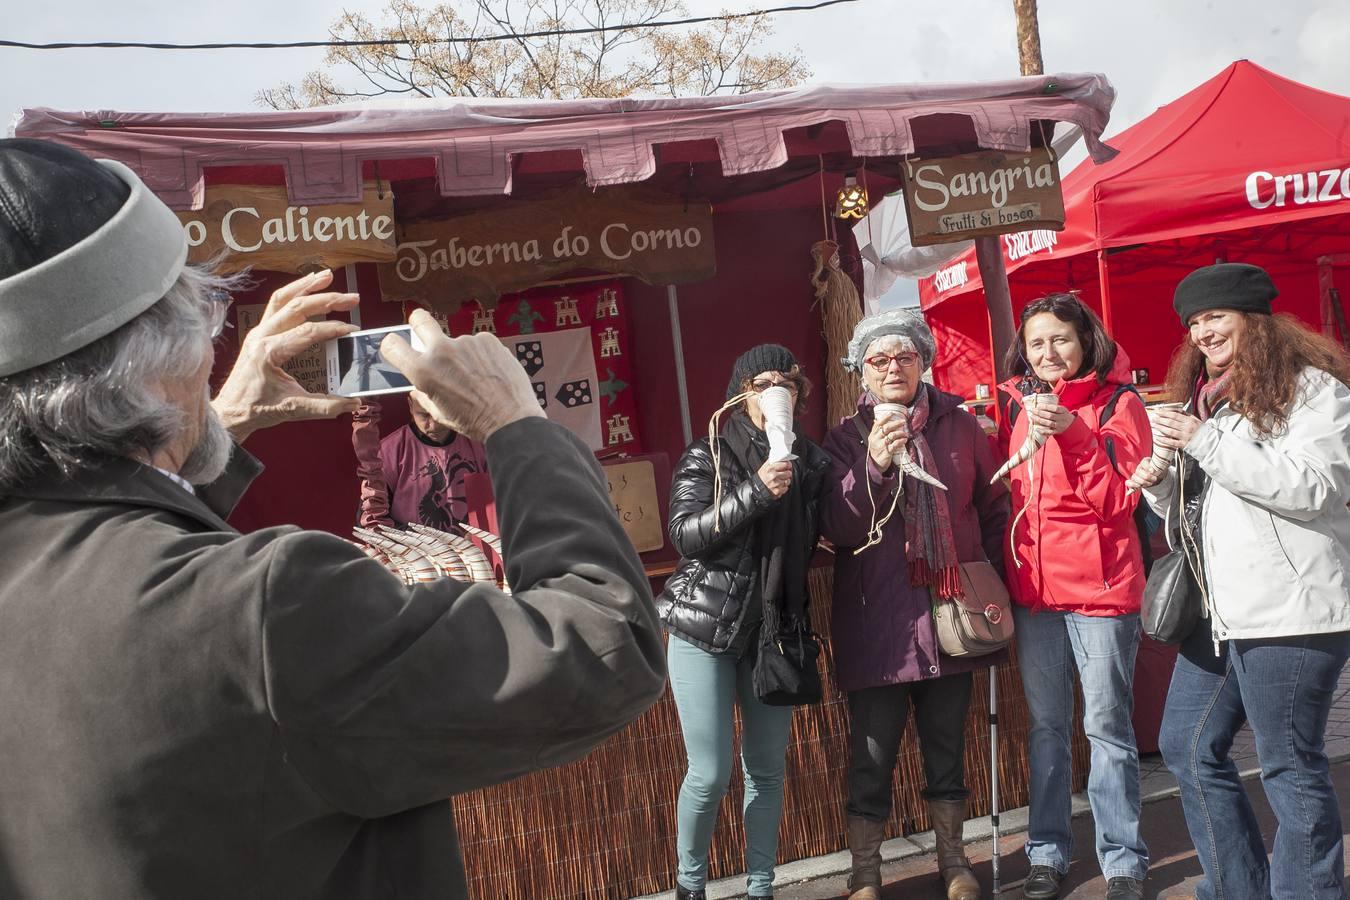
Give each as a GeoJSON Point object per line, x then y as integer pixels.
{"type": "Point", "coordinates": [951, 198]}
{"type": "Point", "coordinates": [257, 227]}
{"type": "Point", "coordinates": [482, 255]}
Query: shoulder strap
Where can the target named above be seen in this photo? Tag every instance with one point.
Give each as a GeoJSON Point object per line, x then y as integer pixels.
{"type": "Point", "coordinates": [858, 424]}
{"type": "Point", "coordinates": [1008, 408]}
{"type": "Point", "coordinates": [1110, 409]}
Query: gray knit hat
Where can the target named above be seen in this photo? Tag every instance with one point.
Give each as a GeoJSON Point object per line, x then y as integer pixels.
{"type": "Point", "coordinates": [906, 322]}
{"type": "Point", "coordinates": [86, 248]}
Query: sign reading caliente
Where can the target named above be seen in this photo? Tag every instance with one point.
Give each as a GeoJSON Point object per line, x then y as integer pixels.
{"type": "Point", "coordinates": [952, 198]}
{"type": "Point", "coordinates": [482, 255]}
{"type": "Point", "coordinates": [257, 227]}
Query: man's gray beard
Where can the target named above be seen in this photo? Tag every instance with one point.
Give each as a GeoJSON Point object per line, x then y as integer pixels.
{"type": "Point", "coordinates": [208, 459]}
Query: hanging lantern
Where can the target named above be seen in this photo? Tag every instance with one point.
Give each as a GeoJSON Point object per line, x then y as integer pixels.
{"type": "Point", "coordinates": [851, 201]}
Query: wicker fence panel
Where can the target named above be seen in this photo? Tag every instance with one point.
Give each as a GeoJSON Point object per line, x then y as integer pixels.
{"type": "Point", "coordinates": [604, 827]}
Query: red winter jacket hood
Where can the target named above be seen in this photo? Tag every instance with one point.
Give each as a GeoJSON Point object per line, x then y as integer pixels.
{"type": "Point", "coordinates": [1075, 547]}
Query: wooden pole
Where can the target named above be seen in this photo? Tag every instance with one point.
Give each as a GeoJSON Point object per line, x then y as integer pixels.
{"type": "Point", "coordinates": [989, 255]}
{"type": "Point", "coordinates": [1028, 37]}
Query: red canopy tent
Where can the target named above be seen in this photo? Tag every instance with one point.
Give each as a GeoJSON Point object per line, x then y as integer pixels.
{"type": "Point", "coordinates": [1247, 167]}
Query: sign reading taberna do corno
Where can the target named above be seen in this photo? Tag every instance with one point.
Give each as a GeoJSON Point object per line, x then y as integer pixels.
{"type": "Point", "coordinates": [952, 198]}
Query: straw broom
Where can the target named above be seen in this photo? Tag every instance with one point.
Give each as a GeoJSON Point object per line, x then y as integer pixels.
{"type": "Point", "coordinates": [840, 311]}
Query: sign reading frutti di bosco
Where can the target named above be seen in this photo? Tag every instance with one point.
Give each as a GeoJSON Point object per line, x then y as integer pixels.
{"type": "Point", "coordinates": [257, 227]}
{"type": "Point", "coordinates": [484, 254]}
{"type": "Point", "coordinates": [952, 198]}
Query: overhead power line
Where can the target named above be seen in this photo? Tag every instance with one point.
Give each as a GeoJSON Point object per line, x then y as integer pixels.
{"type": "Point", "coordinates": [510, 36]}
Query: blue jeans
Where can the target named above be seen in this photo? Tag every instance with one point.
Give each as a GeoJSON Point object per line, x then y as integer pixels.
{"type": "Point", "coordinates": [707, 687]}
{"type": "Point", "coordinates": [1050, 645]}
{"type": "Point", "coordinates": [1284, 688]}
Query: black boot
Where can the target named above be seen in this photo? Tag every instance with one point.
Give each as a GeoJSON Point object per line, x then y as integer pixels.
{"type": "Point", "coordinates": [683, 893]}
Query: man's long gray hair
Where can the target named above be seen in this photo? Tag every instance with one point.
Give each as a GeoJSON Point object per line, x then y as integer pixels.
{"type": "Point", "coordinates": [106, 400]}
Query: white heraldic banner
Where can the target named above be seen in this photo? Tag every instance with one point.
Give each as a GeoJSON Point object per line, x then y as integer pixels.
{"type": "Point", "coordinates": [561, 366]}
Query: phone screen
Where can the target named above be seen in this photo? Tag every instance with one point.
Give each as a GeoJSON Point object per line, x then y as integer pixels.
{"type": "Point", "coordinates": [360, 368]}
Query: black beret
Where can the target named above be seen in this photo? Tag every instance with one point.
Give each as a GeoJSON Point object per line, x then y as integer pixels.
{"type": "Point", "coordinates": [51, 198]}
{"type": "Point", "coordinates": [1224, 286]}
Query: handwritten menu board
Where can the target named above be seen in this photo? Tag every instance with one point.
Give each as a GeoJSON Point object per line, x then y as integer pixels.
{"type": "Point", "coordinates": [632, 491]}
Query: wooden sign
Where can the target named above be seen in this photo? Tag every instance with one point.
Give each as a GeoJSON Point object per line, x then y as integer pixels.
{"type": "Point", "coordinates": [952, 198]}
{"type": "Point", "coordinates": [484, 254]}
{"type": "Point", "coordinates": [257, 227]}
{"type": "Point", "coordinates": [308, 367]}
{"type": "Point", "coordinates": [632, 493]}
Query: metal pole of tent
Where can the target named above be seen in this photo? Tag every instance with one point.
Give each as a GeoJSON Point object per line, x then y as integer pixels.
{"type": "Point", "coordinates": [355, 315]}
{"type": "Point", "coordinates": [993, 767]}
{"type": "Point", "coordinates": [1104, 285]}
{"type": "Point", "coordinates": [677, 341]}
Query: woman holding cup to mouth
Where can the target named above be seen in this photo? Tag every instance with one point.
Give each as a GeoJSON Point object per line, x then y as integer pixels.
{"type": "Point", "coordinates": [1077, 579]}
{"type": "Point", "coordinates": [1265, 424]}
{"type": "Point", "coordinates": [744, 517]}
{"type": "Point", "coordinates": [887, 571]}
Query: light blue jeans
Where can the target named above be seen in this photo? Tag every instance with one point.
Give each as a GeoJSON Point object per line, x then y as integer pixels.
{"type": "Point", "coordinates": [1050, 646]}
{"type": "Point", "coordinates": [1284, 688]}
{"type": "Point", "coordinates": [707, 687]}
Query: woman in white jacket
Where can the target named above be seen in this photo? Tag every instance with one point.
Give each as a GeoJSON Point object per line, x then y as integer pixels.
{"type": "Point", "coordinates": [1265, 441]}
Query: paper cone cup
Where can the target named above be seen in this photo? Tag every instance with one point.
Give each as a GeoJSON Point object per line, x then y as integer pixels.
{"type": "Point", "coordinates": [1161, 458]}
{"type": "Point", "coordinates": [884, 412]}
{"type": "Point", "coordinates": [776, 406]}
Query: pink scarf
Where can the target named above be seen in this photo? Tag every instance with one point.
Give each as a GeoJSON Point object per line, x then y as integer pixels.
{"type": "Point", "coordinates": [930, 546]}
{"type": "Point", "coordinates": [1210, 395]}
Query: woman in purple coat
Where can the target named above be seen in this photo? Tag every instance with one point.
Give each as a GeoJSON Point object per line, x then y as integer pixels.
{"type": "Point", "coordinates": [885, 647]}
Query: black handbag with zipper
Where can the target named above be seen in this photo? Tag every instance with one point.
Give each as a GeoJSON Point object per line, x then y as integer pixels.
{"type": "Point", "coordinates": [1174, 596]}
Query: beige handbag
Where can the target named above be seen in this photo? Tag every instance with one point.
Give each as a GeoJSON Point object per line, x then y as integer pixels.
{"type": "Point", "coordinates": [980, 621]}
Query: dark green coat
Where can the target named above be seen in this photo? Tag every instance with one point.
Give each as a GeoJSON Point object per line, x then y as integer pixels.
{"type": "Point", "coordinates": [187, 712]}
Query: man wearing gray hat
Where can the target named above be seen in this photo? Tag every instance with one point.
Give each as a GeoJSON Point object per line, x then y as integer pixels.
{"type": "Point", "coordinates": [191, 712]}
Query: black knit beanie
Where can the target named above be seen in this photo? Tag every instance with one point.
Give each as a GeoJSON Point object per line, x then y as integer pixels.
{"type": "Point", "coordinates": [763, 358]}
{"type": "Point", "coordinates": [1239, 286]}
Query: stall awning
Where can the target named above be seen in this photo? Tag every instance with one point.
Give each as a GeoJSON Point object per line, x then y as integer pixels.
{"type": "Point", "coordinates": [324, 152]}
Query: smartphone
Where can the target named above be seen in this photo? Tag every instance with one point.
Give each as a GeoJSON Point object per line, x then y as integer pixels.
{"type": "Point", "coordinates": [356, 369]}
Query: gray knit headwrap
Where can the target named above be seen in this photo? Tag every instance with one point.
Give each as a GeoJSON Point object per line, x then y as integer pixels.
{"type": "Point", "coordinates": [906, 322]}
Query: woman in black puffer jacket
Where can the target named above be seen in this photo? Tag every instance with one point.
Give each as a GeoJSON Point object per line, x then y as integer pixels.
{"type": "Point", "coordinates": [747, 553]}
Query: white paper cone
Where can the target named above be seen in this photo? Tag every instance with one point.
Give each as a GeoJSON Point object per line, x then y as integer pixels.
{"type": "Point", "coordinates": [776, 405]}
{"type": "Point", "coordinates": [1162, 459]}
{"type": "Point", "coordinates": [887, 411]}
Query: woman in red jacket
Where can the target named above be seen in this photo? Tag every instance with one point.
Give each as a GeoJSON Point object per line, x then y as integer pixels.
{"type": "Point", "coordinates": [1076, 575]}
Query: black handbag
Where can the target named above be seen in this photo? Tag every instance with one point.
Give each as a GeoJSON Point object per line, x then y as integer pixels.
{"type": "Point", "coordinates": [1172, 600]}
{"type": "Point", "coordinates": [1174, 597]}
{"type": "Point", "coordinates": [786, 671]}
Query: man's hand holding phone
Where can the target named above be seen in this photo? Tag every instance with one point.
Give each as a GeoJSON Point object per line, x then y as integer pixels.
{"type": "Point", "coordinates": [471, 383]}
{"type": "Point", "coordinates": [259, 392]}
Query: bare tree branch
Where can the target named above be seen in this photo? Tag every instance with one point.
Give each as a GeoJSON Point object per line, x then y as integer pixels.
{"type": "Point", "coordinates": [611, 63]}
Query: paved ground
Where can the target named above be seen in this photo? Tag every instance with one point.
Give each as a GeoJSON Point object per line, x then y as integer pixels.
{"type": "Point", "coordinates": [1174, 873]}
{"type": "Point", "coordinates": [910, 875]}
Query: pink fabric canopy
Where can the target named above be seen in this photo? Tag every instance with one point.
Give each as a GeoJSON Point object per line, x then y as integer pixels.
{"type": "Point", "coordinates": [323, 151]}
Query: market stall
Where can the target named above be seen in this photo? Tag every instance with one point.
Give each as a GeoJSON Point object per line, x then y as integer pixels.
{"type": "Point", "coordinates": [1247, 167]}
{"type": "Point", "coordinates": [629, 250]}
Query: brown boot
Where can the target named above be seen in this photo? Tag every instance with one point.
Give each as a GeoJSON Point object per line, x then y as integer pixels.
{"type": "Point", "coordinates": [948, 817]}
{"type": "Point", "coordinates": [864, 842]}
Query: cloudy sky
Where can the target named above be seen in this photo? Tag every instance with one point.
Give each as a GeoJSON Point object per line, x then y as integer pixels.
{"type": "Point", "coordinates": [1152, 50]}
